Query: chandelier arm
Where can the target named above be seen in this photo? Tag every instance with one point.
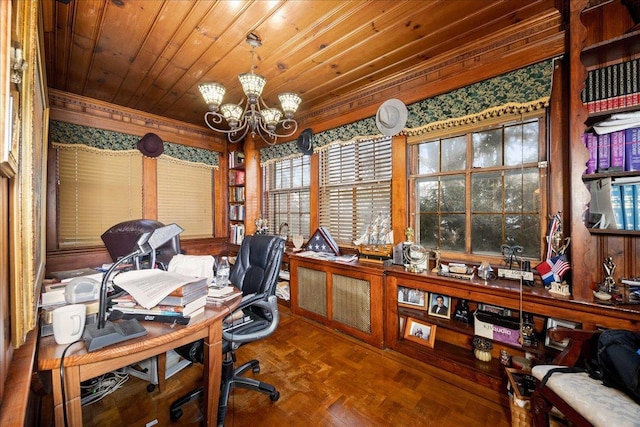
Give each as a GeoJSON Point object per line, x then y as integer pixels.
{"type": "Point", "coordinates": [255, 112]}
{"type": "Point", "coordinates": [270, 139]}
{"type": "Point", "coordinates": [273, 135]}
{"type": "Point", "coordinates": [217, 118]}
{"type": "Point", "coordinates": [233, 139]}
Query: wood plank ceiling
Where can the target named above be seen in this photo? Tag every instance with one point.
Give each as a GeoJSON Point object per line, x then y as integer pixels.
{"type": "Point", "coordinates": [150, 55]}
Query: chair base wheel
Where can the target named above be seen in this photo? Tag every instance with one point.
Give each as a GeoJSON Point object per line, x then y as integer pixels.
{"type": "Point", "coordinates": [274, 396]}
{"type": "Point", "coordinates": [175, 414]}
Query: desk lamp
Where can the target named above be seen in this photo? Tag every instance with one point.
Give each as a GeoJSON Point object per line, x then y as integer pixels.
{"type": "Point", "coordinates": [103, 332]}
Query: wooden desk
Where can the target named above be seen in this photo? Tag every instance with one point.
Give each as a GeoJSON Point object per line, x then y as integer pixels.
{"type": "Point", "coordinates": [80, 365]}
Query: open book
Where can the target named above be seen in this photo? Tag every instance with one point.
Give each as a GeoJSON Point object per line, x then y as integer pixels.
{"type": "Point", "coordinates": [151, 286]}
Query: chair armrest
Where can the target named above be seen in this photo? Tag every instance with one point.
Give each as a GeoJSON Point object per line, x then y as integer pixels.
{"type": "Point", "coordinates": [582, 345]}
{"type": "Point", "coordinates": [270, 306]}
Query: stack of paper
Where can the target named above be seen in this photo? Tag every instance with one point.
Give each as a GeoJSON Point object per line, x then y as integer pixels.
{"type": "Point", "coordinates": [218, 295]}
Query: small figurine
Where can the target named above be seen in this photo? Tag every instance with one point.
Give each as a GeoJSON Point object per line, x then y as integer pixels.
{"type": "Point", "coordinates": [409, 233]}
{"type": "Point", "coordinates": [609, 268]}
{"type": "Point", "coordinates": [436, 255]}
{"type": "Point", "coordinates": [262, 225]}
{"type": "Point", "coordinates": [462, 312]}
{"type": "Point", "coordinates": [528, 332]}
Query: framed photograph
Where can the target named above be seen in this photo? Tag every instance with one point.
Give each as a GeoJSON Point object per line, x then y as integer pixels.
{"type": "Point", "coordinates": [552, 323]}
{"type": "Point", "coordinates": [412, 298]}
{"type": "Point", "coordinates": [401, 322]}
{"type": "Point", "coordinates": [421, 332]}
{"type": "Point", "coordinates": [440, 305]}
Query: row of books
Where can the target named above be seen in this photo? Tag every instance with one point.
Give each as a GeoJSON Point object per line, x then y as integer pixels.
{"type": "Point", "coordinates": [236, 177]}
{"type": "Point", "coordinates": [615, 203]}
{"type": "Point", "coordinates": [180, 306]}
{"type": "Point", "coordinates": [615, 151]}
{"type": "Point", "coordinates": [236, 212]}
{"type": "Point", "coordinates": [236, 159]}
{"type": "Point", "coordinates": [236, 233]}
{"type": "Point", "coordinates": [236, 194]}
{"type": "Point", "coordinates": [632, 290]}
{"type": "Point", "coordinates": [611, 87]}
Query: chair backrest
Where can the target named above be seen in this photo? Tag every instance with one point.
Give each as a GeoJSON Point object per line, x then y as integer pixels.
{"type": "Point", "coordinates": [121, 239]}
{"type": "Point", "coordinates": [257, 264]}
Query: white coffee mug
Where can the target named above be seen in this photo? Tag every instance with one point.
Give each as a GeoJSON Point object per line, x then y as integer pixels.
{"type": "Point", "coordinates": [68, 323]}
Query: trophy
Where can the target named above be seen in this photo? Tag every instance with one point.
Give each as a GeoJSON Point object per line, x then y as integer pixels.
{"type": "Point", "coordinates": [262, 225]}
{"type": "Point", "coordinates": [556, 240]}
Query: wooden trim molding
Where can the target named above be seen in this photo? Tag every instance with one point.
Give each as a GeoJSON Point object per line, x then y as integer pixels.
{"type": "Point", "coordinates": [70, 108]}
{"type": "Point", "coordinates": [517, 47]}
{"type": "Point", "coordinates": [16, 405]}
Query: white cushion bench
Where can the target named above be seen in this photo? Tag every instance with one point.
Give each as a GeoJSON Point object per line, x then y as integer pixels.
{"type": "Point", "coordinates": [582, 400]}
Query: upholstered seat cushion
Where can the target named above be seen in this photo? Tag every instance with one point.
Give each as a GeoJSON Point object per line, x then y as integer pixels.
{"type": "Point", "coordinates": [601, 405]}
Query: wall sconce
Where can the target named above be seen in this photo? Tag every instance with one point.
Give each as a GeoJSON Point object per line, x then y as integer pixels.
{"type": "Point", "coordinates": [18, 64]}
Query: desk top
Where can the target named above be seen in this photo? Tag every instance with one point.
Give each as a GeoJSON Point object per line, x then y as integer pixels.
{"type": "Point", "coordinates": [160, 337]}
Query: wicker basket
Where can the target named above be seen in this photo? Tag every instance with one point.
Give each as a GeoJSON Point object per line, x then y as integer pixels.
{"type": "Point", "coordinates": [520, 416]}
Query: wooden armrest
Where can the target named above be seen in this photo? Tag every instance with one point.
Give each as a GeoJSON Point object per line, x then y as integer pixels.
{"type": "Point", "coordinates": [582, 345]}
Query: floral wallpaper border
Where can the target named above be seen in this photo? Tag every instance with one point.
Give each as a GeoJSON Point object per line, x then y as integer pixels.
{"type": "Point", "coordinates": [69, 133]}
{"type": "Point", "coordinates": [522, 90]}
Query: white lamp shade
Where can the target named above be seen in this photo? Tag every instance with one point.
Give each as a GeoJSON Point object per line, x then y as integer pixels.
{"type": "Point", "coordinates": [212, 93]}
{"type": "Point", "coordinates": [271, 116]}
{"type": "Point", "coordinates": [290, 102]}
{"type": "Point", "coordinates": [252, 85]}
{"type": "Point", "coordinates": [232, 113]}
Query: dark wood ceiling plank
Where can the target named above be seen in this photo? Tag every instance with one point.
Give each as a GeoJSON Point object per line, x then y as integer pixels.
{"type": "Point", "coordinates": [227, 26]}
{"type": "Point", "coordinates": [397, 47]}
{"type": "Point", "coordinates": [88, 20]}
{"type": "Point", "coordinates": [156, 50]}
{"type": "Point", "coordinates": [124, 30]}
{"type": "Point", "coordinates": [151, 55]}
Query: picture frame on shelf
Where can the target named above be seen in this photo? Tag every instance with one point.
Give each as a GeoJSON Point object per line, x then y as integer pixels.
{"type": "Point", "coordinates": [440, 305]}
{"type": "Point", "coordinates": [402, 320]}
{"type": "Point", "coordinates": [412, 298]}
{"type": "Point", "coordinates": [420, 332]}
{"type": "Point", "coordinates": [552, 323]}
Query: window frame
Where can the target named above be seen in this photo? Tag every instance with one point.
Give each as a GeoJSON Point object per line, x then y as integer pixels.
{"type": "Point", "coordinates": [270, 192]}
{"type": "Point", "coordinates": [371, 183]}
{"type": "Point", "coordinates": [542, 163]}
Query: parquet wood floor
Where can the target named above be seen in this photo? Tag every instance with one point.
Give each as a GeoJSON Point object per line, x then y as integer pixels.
{"type": "Point", "coordinates": [325, 379]}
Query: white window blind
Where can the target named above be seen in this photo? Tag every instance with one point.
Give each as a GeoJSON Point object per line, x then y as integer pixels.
{"type": "Point", "coordinates": [286, 194]}
{"type": "Point", "coordinates": [185, 196]}
{"type": "Point", "coordinates": [355, 187]}
{"type": "Point", "coordinates": [96, 189]}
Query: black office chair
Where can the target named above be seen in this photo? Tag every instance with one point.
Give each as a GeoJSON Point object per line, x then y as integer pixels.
{"type": "Point", "coordinates": [255, 272]}
{"type": "Point", "coordinates": [120, 240]}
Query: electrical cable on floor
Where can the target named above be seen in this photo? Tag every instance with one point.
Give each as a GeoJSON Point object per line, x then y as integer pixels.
{"type": "Point", "coordinates": [97, 388]}
{"type": "Point", "coordinates": [64, 399]}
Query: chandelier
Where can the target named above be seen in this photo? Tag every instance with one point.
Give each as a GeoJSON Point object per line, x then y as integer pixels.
{"type": "Point", "coordinates": [251, 113]}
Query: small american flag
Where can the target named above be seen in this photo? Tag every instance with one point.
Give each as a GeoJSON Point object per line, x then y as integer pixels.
{"type": "Point", "coordinates": [560, 265]}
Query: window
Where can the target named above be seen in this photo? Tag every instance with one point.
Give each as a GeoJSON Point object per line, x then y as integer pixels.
{"type": "Point", "coordinates": [355, 187]}
{"type": "Point", "coordinates": [185, 196]}
{"type": "Point", "coordinates": [477, 191]}
{"type": "Point", "coordinates": [96, 189]}
{"type": "Point", "coordinates": [286, 194]}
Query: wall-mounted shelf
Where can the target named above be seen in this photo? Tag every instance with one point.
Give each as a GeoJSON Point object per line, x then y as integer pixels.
{"type": "Point", "coordinates": [236, 191]}
{"type": "Point", "coordinates": [624, 46]}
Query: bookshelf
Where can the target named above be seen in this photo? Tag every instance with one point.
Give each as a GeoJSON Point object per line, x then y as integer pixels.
{"type": "Point", "coordinates": [598, 37]}
{"type": "Point", "coordinates": [236, 186]}
{"type": "Point", "coordinates": [611, 94]}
